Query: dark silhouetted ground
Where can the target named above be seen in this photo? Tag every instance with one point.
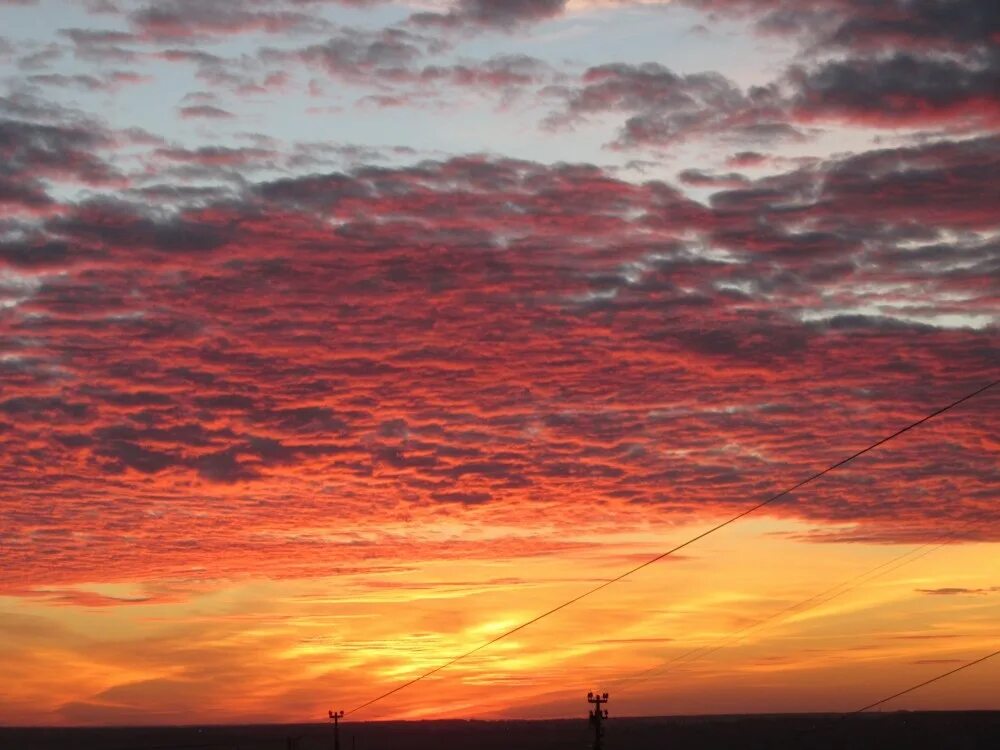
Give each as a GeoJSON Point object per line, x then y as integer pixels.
{"type": "Point", "coordinates": [885, 731]}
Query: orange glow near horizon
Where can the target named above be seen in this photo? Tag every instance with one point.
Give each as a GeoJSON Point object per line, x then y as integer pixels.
{"type": "Point", "coordinates": [258, 650]}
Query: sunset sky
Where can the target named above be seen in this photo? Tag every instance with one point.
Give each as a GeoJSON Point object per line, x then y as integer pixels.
{"type": "Point", "coordinates": [338, 337]}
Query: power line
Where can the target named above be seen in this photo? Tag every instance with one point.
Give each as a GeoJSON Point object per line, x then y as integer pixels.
{"type": "Point", "coordinates": [972, 663]}
{"type": "Point", "coordinates": [846, 715]}
{"type": "Point", "coordinates": [661, 556]}
{"type": "Point", "coordinates": [816, 600]}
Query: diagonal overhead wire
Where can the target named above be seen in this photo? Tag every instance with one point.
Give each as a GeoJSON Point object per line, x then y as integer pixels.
{"type": "Point", "coordinates": [950, 672]}
{"type": "Point", "coordinates": [848, 714]}
{"type": "Point", "coordinates": [813, 477]}
{"type": "Point", "coordinates": [805, 605]}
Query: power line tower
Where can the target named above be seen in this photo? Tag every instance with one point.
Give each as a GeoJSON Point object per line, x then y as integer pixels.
{"type": "Point", "coordinates": [597, 717]}
{"type": "Point", "coordinates": [335, 717]}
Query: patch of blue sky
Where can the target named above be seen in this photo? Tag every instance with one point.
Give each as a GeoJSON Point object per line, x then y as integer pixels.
{"type": "Point", "coordinates": [35, 22]}
{"type": "Point", "coordinates": [676, 37]}
{"type": "Point", "coordinates": [450, 121]}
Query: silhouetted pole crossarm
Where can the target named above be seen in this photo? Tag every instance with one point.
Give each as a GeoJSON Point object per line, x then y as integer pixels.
{"type": "Point", "coordinates": [335, 717]}
{"type": "Point", "coordinates": [597, 717]}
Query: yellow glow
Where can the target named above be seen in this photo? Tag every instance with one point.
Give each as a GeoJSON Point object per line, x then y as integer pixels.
{"type": "Point", "coordinates": [289, 649]}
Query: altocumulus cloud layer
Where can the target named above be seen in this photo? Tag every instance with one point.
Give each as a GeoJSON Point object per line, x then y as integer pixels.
{"type": "Point", "coordinates": [214, 342]}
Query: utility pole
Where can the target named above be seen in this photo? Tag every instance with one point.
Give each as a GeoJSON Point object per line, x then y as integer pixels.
{"type": "Point", "coordinates": [597, 717]}
{"type": "Point", "coordinates": [335, 717]}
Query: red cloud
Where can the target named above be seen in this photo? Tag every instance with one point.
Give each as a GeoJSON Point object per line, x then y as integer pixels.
{"type": "Point", "coordinates": [502, 14]}
{"type": "Point", "coordinates": [888, 65]}
{"type": "Point", "coordinates": [487, 336]}
{"type": "Point", "coordinates": [902, 90]}
{"type": "Point", "coordinates": [185, 19]}
{"type": "Point", "coordinates": [205, 111]}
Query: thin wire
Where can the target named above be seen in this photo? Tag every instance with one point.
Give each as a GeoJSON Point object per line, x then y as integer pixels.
{"type": "Point", "coordinates": [980, 660]}
{"type": "Point", "coordinates": [846, 715]}
{"type": "Point", "coordinates": [815, 600]}
{"type": "Point", "coordinates": [671, 551]}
